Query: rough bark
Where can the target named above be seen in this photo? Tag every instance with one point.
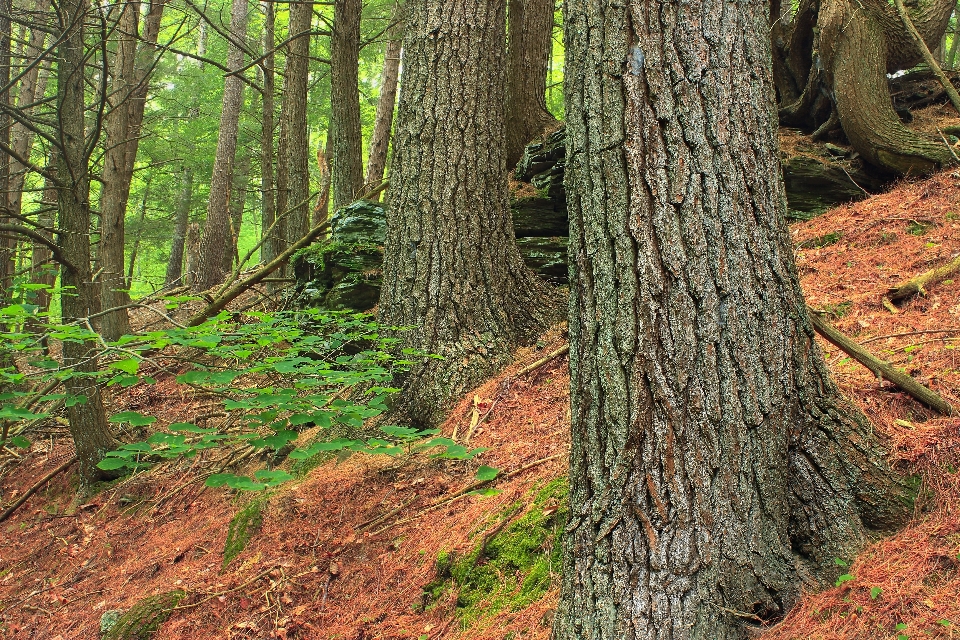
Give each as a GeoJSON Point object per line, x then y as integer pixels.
{"type": "Point", "coordinates": [386, 105]}
{"type": "Point", "coordinates": [529, 48]}
{"type": "Point", "coordinates": [714, 463]}
{"type": "Point", "coordinates": [88, 423]}
{"type": "Point", "coordinates": [8, 258]}
{"type": "Point", "coordinates": [451, 265]}
{"type": "Point", "coordinates": [272, 245]}
{"type": "Point", "coordinates": [347, 179]}
{"type": "Point", "coordinates": [216, 242]}
{"type": "Point", "coordinates": [293, 166]}
{"type": "Point", "coordinates": [181, 220]}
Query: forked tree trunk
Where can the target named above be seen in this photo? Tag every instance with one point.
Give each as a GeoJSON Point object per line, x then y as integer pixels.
{"type": "Point", "coordinates": [215, 244]}
{"type": "Point", "coordinates": [88, 423]}
{"type": "Point", "coordinates": [132, 68]}
{"type": "Point", "coordinates": [386, 105]}
{"type": "Point", "coordinates": [293, 166]}
{"type": "Point", "coordinates": [347, 179]}
{"type": "Point", "coordinates": [713, 461]}
{"type": "Point", "coordinates": [529, 48]}
{"type": "Point", "coordinates": [116, 190]}
{"type": "Point", "coordinates": [451, 265]}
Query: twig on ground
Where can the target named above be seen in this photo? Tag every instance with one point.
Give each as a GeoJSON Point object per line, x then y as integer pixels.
{"type": "Point", "coordinates": [880, 368]}
{"type": "Point", "coordinates": [36, 487]}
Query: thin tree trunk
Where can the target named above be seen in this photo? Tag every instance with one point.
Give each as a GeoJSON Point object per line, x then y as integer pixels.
{"type": "Point", "coordinates": [451, 265]}
{"type": "Point", "coordinates": [182, 219]}
{"type": "Point", "coordinates": [293, 166]}
{"type": "Point", "coordinates": [135, 249]}
{"type": "Point", "coordinates": [714, 463]}
{"type": "Point", "coordinates": [88, 423]}
{"type": "Point", "coordinates": [238, 200]}
{"type": "Point", "coordinates": [529, 48]}
{"type": "Point", "coordinates": [386, 105]}
{"type": "Point", "coordinates": [321, 211]}
{"type": "Point", "coordinates": [345, 102]}
{"type": "Point", "coordinates": [43, 268]}
{"type": "Point", "coordinates": [7, 258]}
{"type": "Point", "coordinates": [272, 246]}
{"type": "Point", "coordinates": [33, 85]}
{"type": "Point", "coordinates": [216, 242]}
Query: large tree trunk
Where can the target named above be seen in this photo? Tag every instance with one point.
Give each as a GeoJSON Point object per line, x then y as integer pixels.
{"type": "Point", "coordinates": [831, 69]}
{"type": "Point", "coordinates": [713, 461]}
{"type": "Point", "coordinates": [529, 48]}
{"type": "Point", "coordinates": [293, 166]}
{"type": "Point", "coordinates": [386, 105]}
{"type": "Point", "coordinates": [451, 266]}
{"type": "Point", "coordinates": [345, 102]}
{"type": "Point", "coordinates": [88, 423]}
{"type": "Point", "coordinates": [216, 243]}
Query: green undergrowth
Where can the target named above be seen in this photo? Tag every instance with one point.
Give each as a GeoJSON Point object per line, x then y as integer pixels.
{"type": "Point", "coordinates": [243, 526]}
{"type": "Point", "coordinates": [513, 568]}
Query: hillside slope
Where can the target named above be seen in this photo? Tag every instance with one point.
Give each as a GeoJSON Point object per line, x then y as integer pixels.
{"type": "Point", "coordinates": [373, 548]}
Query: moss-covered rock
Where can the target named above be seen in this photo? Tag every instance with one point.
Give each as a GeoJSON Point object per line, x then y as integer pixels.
{"type": "Point", "coordinates": [145, 617]}
{"type": "Point", "coordinates": [513, 568]}
{"type": "Point", "coordinates": [242, 527]}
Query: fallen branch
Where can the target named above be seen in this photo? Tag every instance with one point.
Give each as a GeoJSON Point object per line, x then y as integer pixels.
{"type": "Point", "coordinates": [928, 58]}
{"type": "Point", "coordinates": [879, 367]}
{"type": "Point", "coordinates": [909, 333]}
{"type": "Point", "coordinates": [231, 294]}
{"type": "Point", "coordinates": [916, 285]}
{"type": "Point", "coordinates": [542, 361]}
{"type": "Point", "coordinates": [36, 487]}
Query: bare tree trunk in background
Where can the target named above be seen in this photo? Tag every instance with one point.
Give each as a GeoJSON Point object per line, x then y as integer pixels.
{"type": "Point", "coordinates": [951, 60]}
{"type": "Point", "coordinates": [347, 177]}
{"type": "Point", "coordinates": [238, 200]}
{"type": "Point", "coordinates": [134, 250]}
{"type": "Point", "coordinates": [383, 123]}
{"type": "Point", "coordinates": [216, 242]}
{"type": "Point", "coordinates": [134, 61]}
{"type": "Point", "coordinates": [529, 48]}
{"type": "Point", "coordinates": [174, 273]}
{"type": "Point", "coordinates": [33, 84]}
{"type": "Point", "coordinates": [273, 245]}
{"type": "Point", "coordinates": [192, 251]}
{"type": "Point", "coordinates": [8, 246]}
{"type": "Point", "coordinates": [321, 211]}
{"type": "Point", "coordinates": [293, 159]}
{"type": "Point", "coordinates": [715, 467]}
{"type": "Point", "coordinates": [88, 421]}
{"type": "Point", "coordinates": [43, 269]}
{"type": "Point", "coordinates": [451, 266]}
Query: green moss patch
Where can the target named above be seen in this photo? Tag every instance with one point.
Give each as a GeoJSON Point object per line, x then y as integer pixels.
{"type": "Point", "coordinates": [145, 617]}
{"type": "Point", "coordinates": [246, 523]}
{"type": "Point", "coordinates": [511, 568]}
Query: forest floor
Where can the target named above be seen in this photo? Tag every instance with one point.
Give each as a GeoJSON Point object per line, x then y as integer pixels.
{"type": "Point", "coordinates": [372, 548]}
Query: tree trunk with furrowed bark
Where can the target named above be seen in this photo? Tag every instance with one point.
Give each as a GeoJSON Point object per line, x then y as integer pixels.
{"type": "Point", "coordinates": [451, 265]}
{"type": "Point", "coordinates": [715, 466]}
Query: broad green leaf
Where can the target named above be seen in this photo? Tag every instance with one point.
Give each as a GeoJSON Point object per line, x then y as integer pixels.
{"type": "Point", "coordinates": [130, 365]}
{"type": "Point", "coordinates": [875, 593]}
{"type": "Point", "coordinates": [110, 464]}
{"type": "Point", "coordinates": [844, 578]}
{"type": "Point", "coordinates": [485, 473]}
{"type": "Point", "coordinates": [133, 418]}
{"type": "Point", "coordinates": [20, 441]}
